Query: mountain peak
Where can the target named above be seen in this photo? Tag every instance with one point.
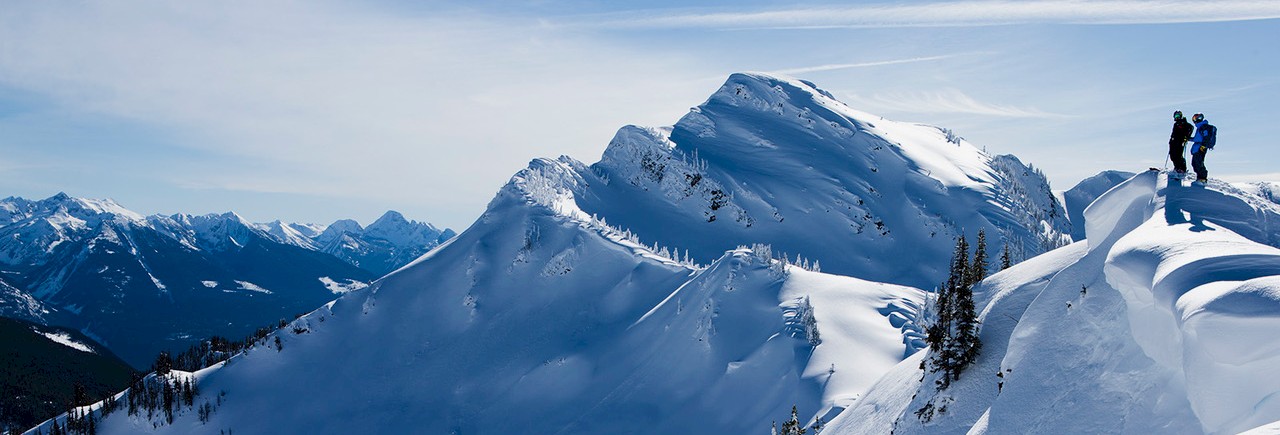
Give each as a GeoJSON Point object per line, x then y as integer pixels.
{"type": "Point", "coordinates": [336, 230]}
{"type": "Point", "coordinates": [79, 208]}
{"type": "Point", "coordinates": [232, 216]}
{"type": "Point", "coordinates": [389, 218]}
{"type": "Point", "coordinates": [394, 228]}
{"type": "Point", "coordinates": [345, 225]}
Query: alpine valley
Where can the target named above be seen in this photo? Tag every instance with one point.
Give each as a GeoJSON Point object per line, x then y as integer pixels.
{"type": "Point", "coordinates": [773, 248]}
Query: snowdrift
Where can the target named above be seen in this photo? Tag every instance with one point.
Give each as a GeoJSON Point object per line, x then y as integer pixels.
{"type": "Point", "coordinates": [1159, 322]}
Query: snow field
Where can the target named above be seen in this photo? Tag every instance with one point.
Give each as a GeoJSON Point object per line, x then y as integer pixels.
{"type": "Point", "coordinates": [1158, 323]}
{"type": "Point", "coordinates": [1202, 300]}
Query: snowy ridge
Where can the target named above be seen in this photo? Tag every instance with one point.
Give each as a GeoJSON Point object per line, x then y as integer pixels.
{"type": "Point", "coordinates": [217, 232]}
{"type": "Point", "coordinates": [31, 231]}
{"type": "Point", "coordinates": [1084, 193]}
{"type": "Point", "coordinates": [559, 322]}
{"type": "Point", "coordinates": [1153, 325]}
{"type": "Point", "coordinates": [288, 234]}
{"type": "Point", "coordinates": [773, 160]}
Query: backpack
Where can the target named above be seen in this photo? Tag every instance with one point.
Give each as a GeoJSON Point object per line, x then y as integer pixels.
{"type": "Point", "coordinates": [1210, 135]}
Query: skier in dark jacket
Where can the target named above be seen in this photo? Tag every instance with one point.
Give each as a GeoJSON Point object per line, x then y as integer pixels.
{"type": "Point", "coordinates": [1202, 141]}
{"type": "Point", "coordinates": [1181, 134]}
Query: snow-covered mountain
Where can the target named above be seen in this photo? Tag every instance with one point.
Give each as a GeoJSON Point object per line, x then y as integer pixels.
{"type": "Point", "coordinates": [1266, 189]}
{"type": "Point", "coordinates": [290, 234]}
{"type": "Point", "coordinates": [145, 284]}
{"type": "Point", "coordinates": [540, 319]}
{"type": "Point", "coordinates": [776, 160]}
{"type": "Point", "coordinates": [18, 304]}
{"type": "Point", "coordinates": [573, 305]}
{"type": "Point", "coordinates": [385, 245]}
{"type": "Point", "coordinates": [1159, 322]}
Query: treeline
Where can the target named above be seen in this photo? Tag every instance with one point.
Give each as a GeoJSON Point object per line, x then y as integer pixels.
{"type": "Point", "coordinates": [218, 349]}
{"type": "Point", "coordinates": [163, 393]}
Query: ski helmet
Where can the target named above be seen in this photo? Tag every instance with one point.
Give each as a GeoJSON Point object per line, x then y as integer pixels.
{"type": "Point", "coordinates": [1177, 114]}
{"type": "Point", "coordinates": [1197, 117]}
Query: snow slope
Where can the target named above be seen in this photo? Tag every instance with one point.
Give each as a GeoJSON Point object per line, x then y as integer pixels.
{"type": "Point", "coordinates": [538, 319]}
{"type": "Point", "coordinates": [1159, 323]}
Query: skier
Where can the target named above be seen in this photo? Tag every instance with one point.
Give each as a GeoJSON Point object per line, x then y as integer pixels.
{"type": "Point", "coordinates": [1177, 140]}
{"type": "Point", "coordinates": [1204, 139]}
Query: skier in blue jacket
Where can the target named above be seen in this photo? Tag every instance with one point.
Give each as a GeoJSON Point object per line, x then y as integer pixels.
{"type": "Point", "coordinates": [1202, 142]}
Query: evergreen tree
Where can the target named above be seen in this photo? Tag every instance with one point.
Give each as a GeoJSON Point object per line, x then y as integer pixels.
{"type": "Point", "coordinates": [967, 343]}
{"type": "Point", "coordinates": [978, 270]}
{"type": "Point", "coordinates": [953, 337]}
{"type": "Point", "coordinates": [80, 396]}
{"type": "Point", "coordinates": [188, 393]}
{"type": "Point", "coordinates": [168, 400]}
{"type": "Point", "coordinates": [163, 364]}
{"type": "Point", "coordinates": [1005, 261]}
{"type": "Point", "coordinates": [792, 426]}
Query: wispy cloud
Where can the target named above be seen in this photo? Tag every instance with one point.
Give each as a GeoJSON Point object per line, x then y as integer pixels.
{"type": "Point", "coordinates": [947, 101]}
{"type": "Point", "coordinates": [840, 66]}
{"type": "Point", "coordinates": [349, 99]}
{"type": "Point", "coordinates": [1165, 104]}
{"type": "Point", "coordinates": [961, 13]}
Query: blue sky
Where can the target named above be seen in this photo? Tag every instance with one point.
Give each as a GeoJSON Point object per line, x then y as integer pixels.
{"type": "Point", "coordinates": [314, 111]}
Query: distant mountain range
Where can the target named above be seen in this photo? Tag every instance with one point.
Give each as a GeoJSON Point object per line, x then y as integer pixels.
{"type": "Point", "coordinates": [144, 284]}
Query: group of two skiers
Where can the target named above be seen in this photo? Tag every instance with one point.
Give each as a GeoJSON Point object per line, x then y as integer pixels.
{"type": "Point", "coordinates": [1203, 139]}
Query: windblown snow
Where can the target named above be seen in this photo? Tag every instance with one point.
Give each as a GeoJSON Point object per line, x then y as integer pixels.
{"type": "Point", "coordinates": [1159, 322]}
